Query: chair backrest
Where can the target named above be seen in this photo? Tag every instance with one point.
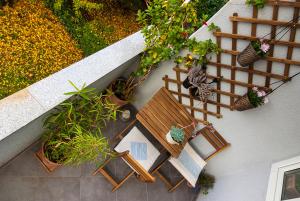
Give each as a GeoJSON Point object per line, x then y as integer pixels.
{"type": "Point", "coordinates": [144, 175]}
{"type": "Point", "coordinates": [215, 139]}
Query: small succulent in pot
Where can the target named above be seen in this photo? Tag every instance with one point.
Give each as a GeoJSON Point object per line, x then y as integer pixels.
{"type": "Point", "coordinates": [177, 134]}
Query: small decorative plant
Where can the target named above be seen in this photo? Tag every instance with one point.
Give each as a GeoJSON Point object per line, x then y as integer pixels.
{"type": "Point", "coordinates": [177, 134]}
{"type": "Point", "coordinates": [252, 99]}
{"type": "Point", "coordinates": [253, 52]}
{"type": "Point", "coordinates": [261, 47]}
{"type": "Point", "coordinates": [213, 27]}
{"type": "Point", "coordinates": [257, 97]}
{"type": "Point", "coordinates": [257, 3]}
{"type": "Point", "coordinates": [206, 182]}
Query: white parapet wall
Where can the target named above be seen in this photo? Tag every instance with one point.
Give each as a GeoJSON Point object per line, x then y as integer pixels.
{"type": "Point", "coordinates": [258, 137]}
{"type": "Point", "coordinates": [22, 113]}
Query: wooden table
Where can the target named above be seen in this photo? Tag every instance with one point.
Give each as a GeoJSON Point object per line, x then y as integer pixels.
{"type": "Point", "coordinates": [162, 112]}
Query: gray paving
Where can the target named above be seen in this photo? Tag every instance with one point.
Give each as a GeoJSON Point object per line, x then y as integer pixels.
{"type": "Point", "coordinates": [24, 179]}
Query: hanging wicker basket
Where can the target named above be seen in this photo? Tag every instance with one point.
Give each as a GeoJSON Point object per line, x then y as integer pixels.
{"type": "Point", "coordinates": [248, 56]}
{"type": "Point", "coordinates": [243, 103]}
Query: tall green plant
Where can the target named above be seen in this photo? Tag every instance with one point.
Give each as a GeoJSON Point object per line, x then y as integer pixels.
{"type": "Point", "coordinates": [76, 125]}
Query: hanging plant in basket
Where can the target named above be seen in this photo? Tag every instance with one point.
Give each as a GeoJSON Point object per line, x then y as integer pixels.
{"type": "Point", "coordinates": [196, 82]}
{"type": "Point", "coordinates": [259, 48]}
{"type": "Point", "coordinates": [257, 96]}
{"type": "Point", "coordinates": [253, 52]}
{"type": "Point", "coordinates": [254, 98]}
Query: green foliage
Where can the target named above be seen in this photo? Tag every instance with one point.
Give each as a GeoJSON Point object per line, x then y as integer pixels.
{"type": "Point", "coordinates": [167, 27]}
{"type": "Point", "coordinates": [201, 49]}
{"type": "Point", "coordinates": [254, 99]}
{"type": "Point", "coordinates": [7, 2]}
{"type": "Point", "coordinates": [78, 7]}
{"type": "Point", "coordinates": [209, 7]}
{"type": "Point", "coordinates": [85, 147]}
{"type": "Point", "coordinates": [206, 181]}
{"type": "Point", "coordinates": [131, 5]}
{"type": "Point", "coordinates": [212, 27]}
{"type": "Point", "coordinates": [257, 3]}
{"type": "Point", "coordinates": [257, 47]}
{"type": "Point", "coordinates": [177, 134]}
{"type": "Point", "coordinates": [82, 116]}
{"type": "Point", "coordinates": [80, 29]}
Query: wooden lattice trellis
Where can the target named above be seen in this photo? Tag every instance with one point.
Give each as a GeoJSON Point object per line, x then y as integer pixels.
{"type": "Point", "coordinates": [268, 74]}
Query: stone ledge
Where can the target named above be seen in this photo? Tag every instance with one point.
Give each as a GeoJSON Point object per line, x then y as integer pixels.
{"type": "Point", "coordinates": [20, 108]}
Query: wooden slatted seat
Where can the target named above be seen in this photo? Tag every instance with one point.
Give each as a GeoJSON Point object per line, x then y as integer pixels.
{"type": "Point", "coordinates": [137, 151]}
{"type": "Point", "coordinates": [214, 138]}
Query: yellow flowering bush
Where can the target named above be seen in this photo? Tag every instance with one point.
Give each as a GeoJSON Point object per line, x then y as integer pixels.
{"type": "Point", "coordinates": [33, 45]}
{"type": "Point", "coordinates": [114, 23]}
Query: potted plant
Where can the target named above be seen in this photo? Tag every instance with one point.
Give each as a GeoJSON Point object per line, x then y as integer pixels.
{"type": "Point", "coordinates": [121, 90]}
{"type": "Point", "coordinates": [252, 99]}
{"type": "Point", "coordinates": [73, 131]}
{"type": "Point", "coordinates": [175, 135]}
{"type": "Point", "coordinates": [254, 51]}
{"type": "Point", "coordinates": [204, 183]}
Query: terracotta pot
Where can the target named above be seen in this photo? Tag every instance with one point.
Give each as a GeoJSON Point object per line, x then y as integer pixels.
{"type": "Point", "coordinates": [48, 165]}
{"type": "Point", "coordinates": [114, 99]}
{"type": "Point", "coordinates": [243, 103]}
{"type": "Point", "coordinates": [248, 56]}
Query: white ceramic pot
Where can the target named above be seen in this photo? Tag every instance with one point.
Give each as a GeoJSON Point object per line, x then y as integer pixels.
{"type": "Point", "coordinates": [170, 139]}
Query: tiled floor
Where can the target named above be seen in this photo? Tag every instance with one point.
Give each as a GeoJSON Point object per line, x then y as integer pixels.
{"type": "Point", "coordinates": [24, 179]}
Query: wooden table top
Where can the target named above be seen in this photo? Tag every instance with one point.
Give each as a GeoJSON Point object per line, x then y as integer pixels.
{"type": "Point", "coordinates": [162, 112]}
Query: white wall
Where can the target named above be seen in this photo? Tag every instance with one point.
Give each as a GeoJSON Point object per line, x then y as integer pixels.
{"type": "Point", "coordinates": [258, 137]}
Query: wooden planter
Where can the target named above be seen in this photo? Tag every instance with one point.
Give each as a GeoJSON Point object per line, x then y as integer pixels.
{"type": "Point", "coordinates": [248, 56]}
{"type": "Point", "coordinates": [243, 103]}
{"type": "Point", "coordinates": [114, 99]}
{"type": "Point", "coordinates": [48, 165]}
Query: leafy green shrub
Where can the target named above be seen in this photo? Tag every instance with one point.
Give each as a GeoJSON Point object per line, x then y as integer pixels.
{"type": "Point", "coordinates": [167, 26]}
{"type": "Point", "coordinates": [257, 3]}
{"type": "Point", "coordinates": [209, 7]}
{"type": "Point", "coordinates": [206, 181]}
{"type": "Point", "coordinates": [78, 7]}
{"type": "Point", "coordinates": [73, 133]}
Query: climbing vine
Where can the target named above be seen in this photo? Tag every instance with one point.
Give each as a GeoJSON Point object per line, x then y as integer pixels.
{"type": "Point", "coordinates": [167, 27]}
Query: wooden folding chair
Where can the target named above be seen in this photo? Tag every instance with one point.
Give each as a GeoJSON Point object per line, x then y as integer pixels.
{"type": "Point", "coordinates": [134, 156]}
{"type": "Point", "coordinates": [189, 163]}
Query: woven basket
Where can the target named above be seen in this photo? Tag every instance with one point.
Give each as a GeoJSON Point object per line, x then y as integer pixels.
{"type": "Point", "coordinates": [248, 56]}
{"type": "Point", "coordinates": [243, 103]}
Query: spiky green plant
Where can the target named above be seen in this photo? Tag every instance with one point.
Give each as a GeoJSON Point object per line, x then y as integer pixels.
{"type": "Point", "coordinates": [73, 133]}
{"type": "Point", "coordinates": [177, 134]}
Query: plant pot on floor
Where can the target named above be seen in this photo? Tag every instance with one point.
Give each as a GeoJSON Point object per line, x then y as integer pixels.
{"type": "Point", "coordinates": [116, 100]}
{"type": "Point", "coordinates": [248, 56]}
{"type": "Point", "coordinates": [48, 165]}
